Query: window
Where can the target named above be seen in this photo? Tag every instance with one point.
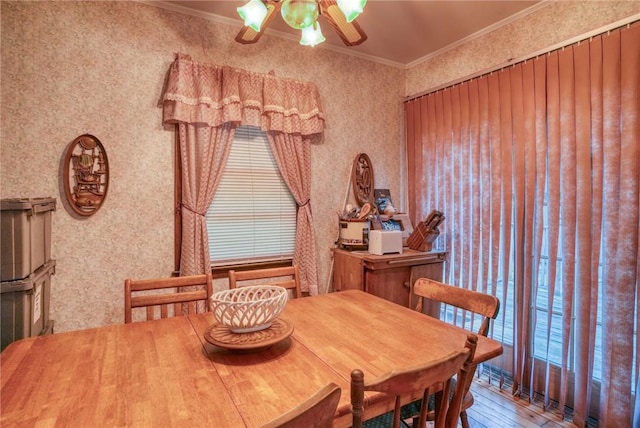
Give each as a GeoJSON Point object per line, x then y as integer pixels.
{"type": "Point", "coordinates": [542, 307]}
{"type": "Point", "coordinates": [253, 215]}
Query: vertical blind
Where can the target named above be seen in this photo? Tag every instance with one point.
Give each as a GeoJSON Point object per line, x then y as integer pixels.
{"type": "Point", "coordinates": [537, 169]}
{"type": "Point", "coordinates": [252, 216]}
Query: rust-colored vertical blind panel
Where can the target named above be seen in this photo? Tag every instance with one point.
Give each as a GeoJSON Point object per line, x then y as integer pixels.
{"type": "Point", "coordinates": [536, 167]}
{"type": "Point", "coordinates": [621, 166]}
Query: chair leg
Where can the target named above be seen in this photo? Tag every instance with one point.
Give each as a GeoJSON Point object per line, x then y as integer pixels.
{"type": "Point", "coordinates": [463, 419]}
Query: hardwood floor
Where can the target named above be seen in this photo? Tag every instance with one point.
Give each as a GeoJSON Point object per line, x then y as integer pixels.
{"type": "Point", "coordinates": [495, 408]}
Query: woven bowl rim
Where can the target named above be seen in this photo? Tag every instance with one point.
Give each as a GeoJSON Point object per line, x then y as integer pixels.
{"type": "Point", "coordinates": [224, 295]}
{"type": "Point", "coordinates": [245, 315]}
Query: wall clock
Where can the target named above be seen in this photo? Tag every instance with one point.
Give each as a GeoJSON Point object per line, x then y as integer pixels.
{"type": "Point", "coordinates": [86, 174]}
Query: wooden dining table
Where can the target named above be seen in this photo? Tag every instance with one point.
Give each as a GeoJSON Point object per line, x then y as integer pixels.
{"type": "Point", "coordinates": [168, 373]}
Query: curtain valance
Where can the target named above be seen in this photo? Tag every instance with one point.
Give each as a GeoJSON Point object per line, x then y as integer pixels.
{"type": "Point", "coordinates": [213, 95]}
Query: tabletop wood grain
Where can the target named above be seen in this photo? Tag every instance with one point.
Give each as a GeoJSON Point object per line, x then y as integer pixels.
{"type": "Point", "coordinates": [164, 372]}
{"type": "Point", "coordinates": [352, 329]}
{"type": "Point", "coordinates": [141, 374]}
{"type": "Point", "coordinates": [334, 334]}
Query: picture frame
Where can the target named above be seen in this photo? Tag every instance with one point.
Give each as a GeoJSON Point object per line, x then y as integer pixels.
{"type": "Point", "coordinates": [382, 200]}
{"type": "Point", "coordinates": [399, 221]}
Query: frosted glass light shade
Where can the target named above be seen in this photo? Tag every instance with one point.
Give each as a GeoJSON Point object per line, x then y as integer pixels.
{"type": "Point", "coordinates": [299, 14]}
{"type": "Point", "coordinates": [351, 8]}
{"type": "Point", "coordinates": [253, 14]}
{"type": "Point", "coordinates": [312, 35]}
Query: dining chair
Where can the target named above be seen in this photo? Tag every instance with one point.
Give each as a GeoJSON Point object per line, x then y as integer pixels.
{"type": "Point", "coordinates": [432, 380]}
{"type": "Point", "coordinates": [316, 411]}
{"type": "Point", "coordinates": [484, 307]}
{"type": "Point", "coordinates": [287, 277]}
{"type": "Point", "coordinates": [182, 293]}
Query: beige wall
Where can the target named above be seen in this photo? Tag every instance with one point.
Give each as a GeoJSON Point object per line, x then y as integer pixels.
{"type": "Point", "coordinates": [547, 26]}
{"type": "Point", "coordinates": [70, 68]}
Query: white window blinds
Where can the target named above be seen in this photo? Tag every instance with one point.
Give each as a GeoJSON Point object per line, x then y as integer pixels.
{"type": "Point", "coordinates": [253, 215]}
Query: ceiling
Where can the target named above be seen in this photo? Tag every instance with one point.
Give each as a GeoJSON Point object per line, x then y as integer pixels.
{"type": "Point", "coordinates": [400, 32]}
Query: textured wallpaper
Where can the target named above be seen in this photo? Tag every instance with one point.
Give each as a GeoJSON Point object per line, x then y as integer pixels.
{"type": "Point", "coordinates": [70, 68]}
{"type": "Point", "coordinates": [545, 27]}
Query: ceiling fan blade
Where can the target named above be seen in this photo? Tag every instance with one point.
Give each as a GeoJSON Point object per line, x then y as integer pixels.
{"type": "Point", "coordinates": [350, 32]}
{"type": "Point", "coordinates": [248, 35]}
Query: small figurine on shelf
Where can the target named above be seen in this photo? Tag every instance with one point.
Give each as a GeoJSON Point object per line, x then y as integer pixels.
{"type": "Point", "coordinates": [384, 203]}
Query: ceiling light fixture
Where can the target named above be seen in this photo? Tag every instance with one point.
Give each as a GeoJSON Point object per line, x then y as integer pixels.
{"type": "Point", "coordinates": [253, 14]}
{"type": "Point", "coordinates": [312, 35]}
{"type": "Point", "coordinates": [351, 8]}
{"type": "Point", "coordinates": [303, 15]}
{"type": "Point", "coordinates": [299, 14]}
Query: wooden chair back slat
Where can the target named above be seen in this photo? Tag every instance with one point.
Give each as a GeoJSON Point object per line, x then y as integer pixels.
{"type": "Point", "coordinates": [484, 305]}
{"type": "Point", "coordinates": [177, 308]}
{"type": "Point", "coordinates": [272, 276]}
{"type": "Point", "coordinates": [317, 411]}
{"type": "Point", "coordinates": [426, 379]}
{"type": "Point", "coordinates": [163, 293]}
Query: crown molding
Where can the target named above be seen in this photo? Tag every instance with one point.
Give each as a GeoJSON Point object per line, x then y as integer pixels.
{"type": "Point", "coordinates": [481, 33]}
{"type": "Point", "coordinates": [237, 22]}
{"type": "Point", "coordinates": [545, 51]}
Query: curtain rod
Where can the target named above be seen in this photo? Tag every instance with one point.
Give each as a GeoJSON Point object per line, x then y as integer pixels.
{"type": "Point", "coordinates": [626, 22]}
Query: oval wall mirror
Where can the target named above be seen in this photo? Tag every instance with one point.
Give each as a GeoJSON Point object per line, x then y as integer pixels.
{"type": "Point", "coordinates": [86, 174]}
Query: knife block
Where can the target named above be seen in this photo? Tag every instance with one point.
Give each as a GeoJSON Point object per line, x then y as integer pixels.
{"type": "Point", "coordinates": [422, 237]}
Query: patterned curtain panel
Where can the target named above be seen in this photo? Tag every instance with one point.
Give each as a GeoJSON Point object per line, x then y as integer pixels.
{"type": "Point", "coordinates": [293, 159]}
{"type": "Point", "coordinates": [536, 168]}
{"type": "Point", "coordinates": [208, 102]}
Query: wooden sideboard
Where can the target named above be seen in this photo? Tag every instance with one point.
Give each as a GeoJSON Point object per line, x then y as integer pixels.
{"type": "Point", "coordinates": [389, 276]}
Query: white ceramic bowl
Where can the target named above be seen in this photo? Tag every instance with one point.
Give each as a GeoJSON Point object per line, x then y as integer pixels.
{"type": "Point", "coordinates": [250, 308]}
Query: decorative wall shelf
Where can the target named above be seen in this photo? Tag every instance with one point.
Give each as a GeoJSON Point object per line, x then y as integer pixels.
{"type": "Point", "coordinates": [86, 174]}
{"type": "Point", "coordinates": [362, 179]}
